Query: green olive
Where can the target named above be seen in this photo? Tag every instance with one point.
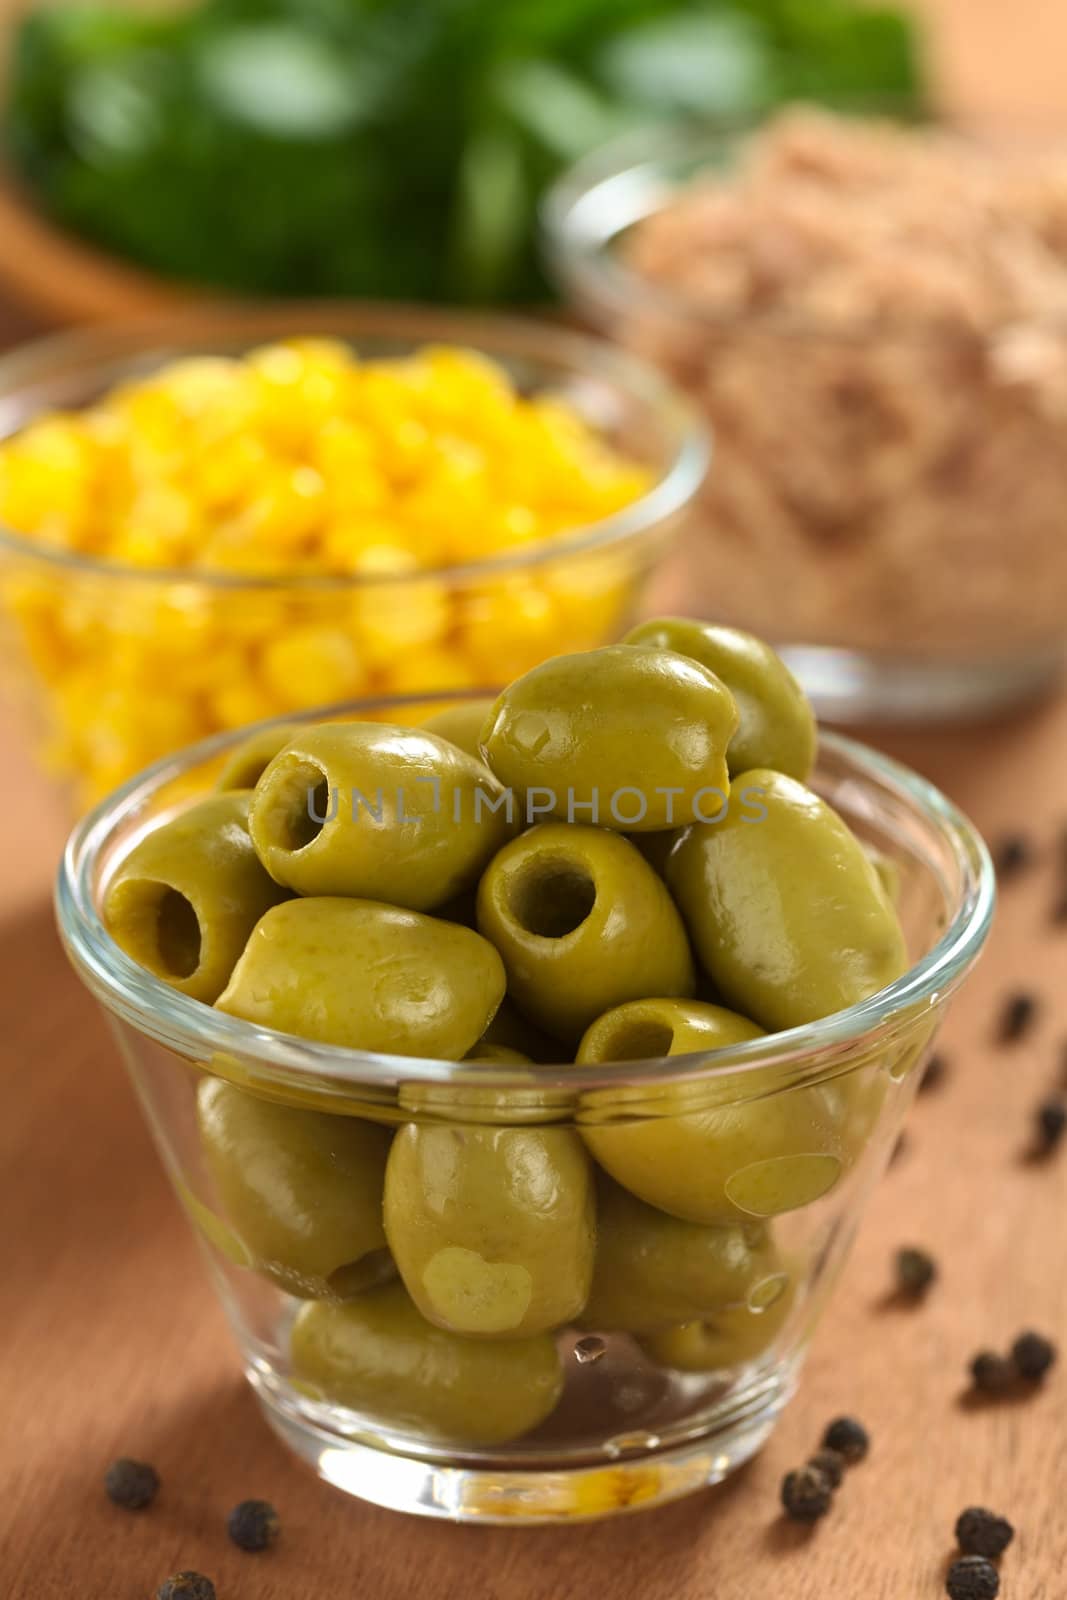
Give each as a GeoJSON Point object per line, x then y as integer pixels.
{"type": "Point", "coordinates": [653, 1270]}
{"type": "Point", "coordinates": [302, 1190]}
{"type": "Point", "coordinates": [501, 1053]}
{"type": "Point", "coordinates": [784, 908]}
{"type": "Point", "coordinates": [749, 1148]}
{"type": "Point", "coordinates": [379, 812]}
{"type": "Point", "coordinates": [367, 976]}
{"type": "Point", "coordinates": [647, 1029]}
{"type": "Point", "coordinates": [777, 727]}
{"type": "Point", "coordinates": [466, 1097]}
{"type": "Point", "coordinates": [582, 923]}
{"type": "Point", "coordinates": [247, 763]}
{"type": "Point", "coordinates": [186, 898]}
{"type": "Point", "coordinates": [730, 1338]}
{"type": "Point", "coordinates": [888, 872]}
{"type": "Point", "coordinates": [621, 737]}
{"type": "Point", "coordinates": [492, 1229]}
{"type": "Point", "coordinates": [379, 1357]}
{"type": "Point", "coordinates": [512, 1030]}
{"type": "Point", "coordinates": [461, 724]}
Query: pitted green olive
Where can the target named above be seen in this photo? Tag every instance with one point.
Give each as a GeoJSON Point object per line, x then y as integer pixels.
{"type": "Point", "coordinates": [302, 1190]}
{"type": "Point", "coordinates": [620, 737]}
{"type": "Point", "coordinates": [249, 761]}
{"type": "Point", "coordinates": [492, 1229]}
{"type": "Point", "coordinates": [728, 1339]}
{"type": "Point", "coordinates": [379, 812]}
{"type": "Point", "coordinates": [186, 898]}
{"type": "Point", "coordinates": [653, 1270]}
{"type": "Point", "coordinates": [461, 724]}
{"type": "Point", "coordinates": [713, 1151]}
{"type": "Point", "coordinates": [367, 976]}
{"type": "Point", "coordinates": [646, 1029]}
{"type": "Point", "coordinates": [379, 1357]}
{"type": "Point", "coordinates": [785, 911]}
{"type": "Point", "coordinates": [777, 726]}
{"type": "Point", "coordinates": [582, 923]}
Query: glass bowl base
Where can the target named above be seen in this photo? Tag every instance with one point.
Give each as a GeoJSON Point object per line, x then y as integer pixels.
{"type": "Point", "coordinates": [646, 1473]}
{"type": "Point", "coordinates": [850, 686]}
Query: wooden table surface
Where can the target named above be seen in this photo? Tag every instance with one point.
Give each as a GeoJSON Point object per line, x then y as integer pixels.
{"type": "Point", "coordinates": [112, 1343]}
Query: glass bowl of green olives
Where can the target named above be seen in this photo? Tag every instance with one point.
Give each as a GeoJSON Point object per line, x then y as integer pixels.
{"type": "Point", "coordinates": [523, 1072]}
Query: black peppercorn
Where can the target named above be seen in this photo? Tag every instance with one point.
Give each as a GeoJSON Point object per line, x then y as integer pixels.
{"type": "Point", "coordinates": [983, 1533]}
{"type": "Point", "coordinates": [253, 1525]}
{"type": "Point", "coordinates": [1017, 1017]}
{"type": "Point", "coordinates": [186, 1586]}
{"type": "Point", "coordinates": [1012, 855]}
{"type": "Point", "coordinates": [1032, 1355]}
{"type": "Point", "coordinates": [972, 1578]}
{"type": "Point", "coordinates": [131, 1484]}
{"type": "Point", "coordinates": [1050, 1121]}
{"type": "Point", "coordinates": [832, 1464]}
{"type": "Point", "coordinates": [849, 1438]}
{"type": "Point", "coordinates": [990, 1373]}
{"type": "Point", "coordinates": [806, 1494]}
{"type": "Point", "coordinates": [915, 1270]}
{"type": "Point", "coordinates": [934, 1076]}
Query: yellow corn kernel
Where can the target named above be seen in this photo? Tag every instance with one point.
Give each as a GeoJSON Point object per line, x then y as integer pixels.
{"type": "Point", "coordinates": [298, 385]}
{"type": "Point", "coordinates": [592, 595]}
{"type": "Point", "coordinates": [312, 665]}
{"type": "Point", "coordinates": [47, 476]}
{"type": "Point", "coordinates": [236, 701]}
{"type": "Point", "coordinates": [507, 626]}
{"type": "Point", "coordinates": [229, 471]}
{"type": "Point", "coordinates": [437, 667]}
{"type": "Point", "coordinates": [400, 619]}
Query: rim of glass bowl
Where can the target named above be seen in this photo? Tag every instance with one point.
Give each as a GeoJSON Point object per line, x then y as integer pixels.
{"type": "Point", "coordinates": [199, 1032]}
{"type": "Point", "coordinates": [150, 342]}
{"type": "Point", "coordinates": [599, 197]}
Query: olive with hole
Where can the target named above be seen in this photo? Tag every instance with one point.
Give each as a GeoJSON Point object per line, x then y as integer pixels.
{"type": "Point", "coordinates": [249, 761]}
{"type": "Point", "coordinates": [777, 725]}
{"type": "Point", "coordinates": [621, 737]}
{"type": "Point", "coordinates": [785, 910]}
{"type": "Point", "coordinates": [492, 1229]}
{"type": "Point", "coordinates": [367, 977]}
{"type": "Point", "coordinates": [582, 923]}
{"type": "Point", "coordinates": [185, 899]}
{"type": "Point", "coordinates": [301, 1189]}
{"type": "Point", "coordinates": [653, 1270]}
{"type": "Point", "coordinates": [461, 724]}
{"type": "Point", "coordinates": [379, 1357]}
{"type": "Point", "coordinates": [716, 1151]}
{"type": "Point", "coordinates": [728, 1339]}
{"type": "Point", "coordinates": [377, 812]}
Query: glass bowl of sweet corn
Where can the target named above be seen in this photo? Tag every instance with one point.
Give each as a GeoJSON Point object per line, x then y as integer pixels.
{"type": "Point", "coordinates": [233, 515]}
